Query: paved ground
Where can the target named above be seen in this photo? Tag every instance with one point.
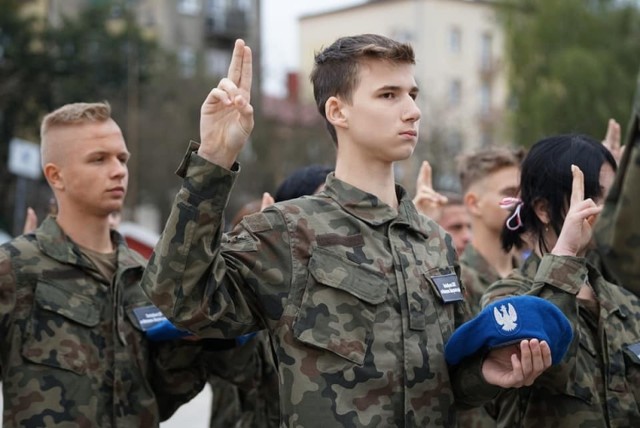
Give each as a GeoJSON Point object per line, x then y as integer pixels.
{"type": "Point", "coordinates": [194, 414]}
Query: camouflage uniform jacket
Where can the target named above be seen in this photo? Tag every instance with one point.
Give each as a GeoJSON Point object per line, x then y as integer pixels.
{"type": "Point", "coordinates": [617, 230]}
{"type": "Point", "coordinates": [71, 351]}
{"type": "Point", "coordinates": [598, 382]}
{"type": "Point", "coordinates": [343, 283]}
{"type": "Point", "coordinates": [477, 275]}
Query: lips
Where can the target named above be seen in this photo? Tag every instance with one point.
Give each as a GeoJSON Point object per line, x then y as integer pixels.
{"type": "Point", "coordinates": [410, 133]}
{"type": "Point", "coordinates": [119, 190]}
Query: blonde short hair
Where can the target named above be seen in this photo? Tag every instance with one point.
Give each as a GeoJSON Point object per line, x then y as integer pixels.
{"type": "Point", "coordinates": [71, 114]}
{"type": "Point", "coordinates": [475, 166]}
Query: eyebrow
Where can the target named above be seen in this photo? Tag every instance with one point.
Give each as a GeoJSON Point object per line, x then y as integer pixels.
{"type": "Point", "coordinates": [413, 89]}
{"type": "Point", "coordinates": [106, 152]}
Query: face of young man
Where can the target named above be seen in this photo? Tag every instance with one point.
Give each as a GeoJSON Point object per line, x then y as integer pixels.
{"type": "Point", "coordinates": [456, 221]}
{"type": "Point", "coordinates": [382, 120]}
{"type": "Point", "coordinates": [490, 191]}
{"type": "Point", "coordinates": [92, 167]}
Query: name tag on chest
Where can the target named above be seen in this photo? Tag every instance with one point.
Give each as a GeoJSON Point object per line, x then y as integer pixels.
{"type": "Point", "coordinates": [148, 316]}
{"type": "Point", "coordinates": [448, 287]}
{"type": "Point", "coordinates": [633, 351]}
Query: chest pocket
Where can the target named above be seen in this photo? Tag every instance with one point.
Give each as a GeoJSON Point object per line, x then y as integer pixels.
{"type": "Point", "coordinates": [61, 332]}
{"type": "Point", "coordinates": [339, 305]}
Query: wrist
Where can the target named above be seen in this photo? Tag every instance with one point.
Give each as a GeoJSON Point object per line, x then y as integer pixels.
{"type": "Point", "coordinates": [218, 157]}
{"type": "Point", "coordinates": [560, 250]}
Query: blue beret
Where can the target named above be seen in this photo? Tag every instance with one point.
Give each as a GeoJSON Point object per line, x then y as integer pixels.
{"type": "Point", "coordinates": [508, 321]}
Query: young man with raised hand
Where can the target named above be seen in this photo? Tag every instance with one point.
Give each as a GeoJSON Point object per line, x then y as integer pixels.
{"type": "Point", "coordinates": [359, 291]}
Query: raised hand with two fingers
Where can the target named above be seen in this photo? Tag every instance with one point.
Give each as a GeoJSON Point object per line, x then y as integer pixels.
{"type": "Point", "coordinates": [427, 200]}
{"type": "Point", "coordinates": [226, 116]}
{"type": "Point", "coordinates": [612, 140]}
{"type": "Point", "coordinates": [576, 232]}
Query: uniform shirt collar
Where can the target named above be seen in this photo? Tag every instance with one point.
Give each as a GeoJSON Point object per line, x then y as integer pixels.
{"type": "Point", "coordinates": [371, 210]}
{"type": "Point", "coordinates": [53, 242]}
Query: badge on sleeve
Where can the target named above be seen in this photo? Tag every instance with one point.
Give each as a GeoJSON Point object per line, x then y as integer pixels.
{"type": "Point", "coordinates": [448, 288]}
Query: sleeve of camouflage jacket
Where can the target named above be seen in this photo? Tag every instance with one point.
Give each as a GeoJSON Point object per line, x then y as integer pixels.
{"type": "Point", "coordinates": [557, 279]}
{"type": "Point", "coordinates": [617, 231]}
{"type": "Point", "coordinates": [182, 368]}
{"type": "Point", "coordinates": [7, 296]}
{"type": "Point", "coordinates": [206, 282]}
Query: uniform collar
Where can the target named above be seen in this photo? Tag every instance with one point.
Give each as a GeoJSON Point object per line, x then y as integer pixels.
{"type": "Point", "coordinates": [53, 242]}
{"type": "Point", "coordinates": [371, 210]}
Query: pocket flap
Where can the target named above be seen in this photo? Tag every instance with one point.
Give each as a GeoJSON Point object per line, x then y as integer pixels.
{"type": "Point", "coordinates": [338, 272]}
{"type": "Point", "coordinates": [72, 306]}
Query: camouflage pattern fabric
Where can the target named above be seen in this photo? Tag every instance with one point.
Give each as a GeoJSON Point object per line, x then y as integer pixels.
{"type": "Point", "coordinates": [254, 401]}
{"type": "Point", "coordinates": [72, 352]}
{"type": "Point", "coordinates": [617, 230]}
{"type": "Point", "coordinates": [342, 282]}
{"type": "Point", "coordinates": [598, 382]}
{"type": "Point", "coordinates": [477, 275]}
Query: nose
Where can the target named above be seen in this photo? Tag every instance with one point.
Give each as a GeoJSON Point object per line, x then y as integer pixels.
{"type": "Point", "coordinates": [412, 111]}
{"type": "Point", "coordinates": [119, 169]}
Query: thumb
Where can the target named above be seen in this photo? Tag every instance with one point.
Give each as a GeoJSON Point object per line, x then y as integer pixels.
{"type": "Point", "coordinates": [267, 201]}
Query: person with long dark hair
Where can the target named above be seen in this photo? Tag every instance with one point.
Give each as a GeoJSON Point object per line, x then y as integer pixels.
{"type": "Point", "coordinates": [564, 181]}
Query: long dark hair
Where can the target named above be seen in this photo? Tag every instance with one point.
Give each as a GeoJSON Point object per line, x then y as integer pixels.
{"type": "Point", "coordinates": [546, 176]}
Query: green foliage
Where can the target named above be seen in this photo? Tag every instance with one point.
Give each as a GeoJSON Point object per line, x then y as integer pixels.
{"type": "Point", "coordinates": [96, 54]}
{"type": "Point", "coordinates": [100, 54]}
{"type": "Point", "coordinates": [572, 64]}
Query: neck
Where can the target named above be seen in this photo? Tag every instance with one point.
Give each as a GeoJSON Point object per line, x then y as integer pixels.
{"type": "Point", "coordinates": [377, 179]}
{"type": "Point", "coordinates": [86, 231]}
{"type": "Point", "coordinates": [487, 243]}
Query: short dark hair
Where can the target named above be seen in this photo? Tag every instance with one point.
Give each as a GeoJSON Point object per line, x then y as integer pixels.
{"type": "Point", "coordinates": [303, 181]}
{"type": "Point", "coordinates": [335, 72]}
{"type": "Point", "coordinates": [546, 176]}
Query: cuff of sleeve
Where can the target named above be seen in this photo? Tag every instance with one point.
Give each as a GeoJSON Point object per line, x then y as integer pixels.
{"type": "Point", "coordinates": [204, 179]}
{"type": "Point", "coordinates": [472, 389]}
{"type": "Point", "coordinates": [188, 157]}
{"type": "Point", "coordinates": [563, 272]}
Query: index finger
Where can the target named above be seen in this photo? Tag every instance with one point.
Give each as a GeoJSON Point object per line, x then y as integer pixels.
{"type": "Point", "coordinates": [612, 138]}
{"type": "Point", "coordinates": [236, 64]}
{"type": "Point", "coordinates": [424, 176]}
{"type": "Point", "coordinates": [577, 186]}
{"type": "Point", "coordinates": [246, 73]}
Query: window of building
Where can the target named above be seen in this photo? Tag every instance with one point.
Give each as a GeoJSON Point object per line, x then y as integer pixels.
{"type": "Point", "coordinates": [217, 62]}
{"type": "Point", "coordinates": [486, 50]}
{"type": "Point", "coordinates": [455, 40]}
{"type": "Point", "coordinates": [486, 139]}
{"type": "Point", "coordinates": [188, 7]}
{"type": "Point", "coordinates": [455, 92]}
{"type": "Point", "coordinates": [217, 11]}
{"type": "Point", "coordinates": [187, 61]}
{"type": "Point", "coordinates": [486, 98]}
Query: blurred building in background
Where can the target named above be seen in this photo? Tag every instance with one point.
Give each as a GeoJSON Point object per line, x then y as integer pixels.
{"type": "Point", "coordinates": [460, 72]}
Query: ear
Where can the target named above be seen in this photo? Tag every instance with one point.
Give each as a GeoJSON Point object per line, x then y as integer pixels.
{"type": "Point", "coordinates": [53, 174]}
{"type": "Point", "coordinates": [471, 202]}
{"type": "Point", "coordinates": [333, 109]}
{"type": "Point", "coordinates": [541, 208]}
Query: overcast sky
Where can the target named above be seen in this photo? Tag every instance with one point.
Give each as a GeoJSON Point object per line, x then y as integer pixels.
{"type": "Point", "coordinates": [280, 48]}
